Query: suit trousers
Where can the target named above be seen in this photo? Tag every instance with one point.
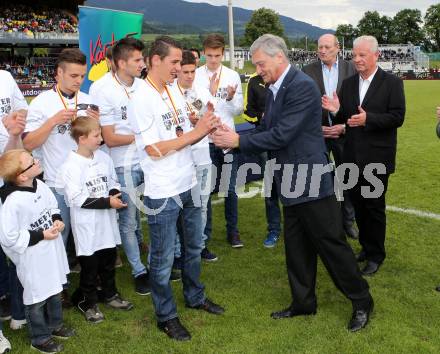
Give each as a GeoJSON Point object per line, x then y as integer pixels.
{"type": "Point", "coordinates": [311, 229]}
{"type": "Point", "coordinates": [371, 219]}
{"type": "Point", "coordinates": [336, 147]}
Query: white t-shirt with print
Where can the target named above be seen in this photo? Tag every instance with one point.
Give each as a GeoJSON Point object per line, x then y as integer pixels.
{"type": "Point", "coordinates": [59, 143]}
{"type": "Point", "coordinates": [11, 98]}
{"type": "Point", "coordinates": [195, 97]}
{"type": "Point", "coordinates": [41, 268]}
{"type": "Point", "coordinates": [93, 229]}
{"type": "Point", "coordinates": [153, 119]}
{"type": "Point", "coordinates": [226, 110]}
{"type": "Point", "coordinates": [112, 99]}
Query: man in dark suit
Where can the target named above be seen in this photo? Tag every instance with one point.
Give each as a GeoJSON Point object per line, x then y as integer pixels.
{"type": "Point", "coordinates": [372, 104]}
{"type": "Point", "coordinates": [291, 133]}
{"type": "Point", "coordinates": [329, 72]}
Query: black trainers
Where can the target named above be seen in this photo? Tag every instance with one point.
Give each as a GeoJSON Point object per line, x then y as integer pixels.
{"type": "Point", "coordinates": [142, 284]}
{"type": "Point", "coordinates": [5, 308]}
{"type": "Point", "coordinates": [48, 347]}
{"type": "Point", "coordinates": [174, 329]}
{"type": "Point", "coordinates": [64, 332]}
{"type": "Point", "coordinates": [209, 306]}
{"type": "Point", "coordinates": [234, 240]}
{"type": "Point", "coordinates": [208, 256]}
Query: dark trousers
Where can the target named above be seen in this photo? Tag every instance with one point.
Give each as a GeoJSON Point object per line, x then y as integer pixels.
{"type": "Point", "coordinates": [100, 264]}
{"type": "Point", "coordinates": [371, 219]}
{"type": "Point", "coordinates": [336, 147]}
{"type": "Point", "coordinates": [311, 229]}
{"type": "Point", "coordinates": [43, 318]}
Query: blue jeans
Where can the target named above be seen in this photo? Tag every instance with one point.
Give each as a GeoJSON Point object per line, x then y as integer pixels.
{"type": "Point", "coordinates": [43, 318]}
{"type": "Point", "coordinates": [162, 217]}
{"type": "Point", "coordinates": [226, 168]}
{"type": "Point", "coordinates": [203, 173]}
{"type": "Point", "coordinates": [129, 217]}
{"type": "Point", "coordinates": [273, 214]}
{"type": "Point", "coordinates": [64, 211]}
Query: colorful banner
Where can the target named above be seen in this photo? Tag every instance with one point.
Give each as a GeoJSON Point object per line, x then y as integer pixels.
{"type": "Point", "coordinates": [99, 29]}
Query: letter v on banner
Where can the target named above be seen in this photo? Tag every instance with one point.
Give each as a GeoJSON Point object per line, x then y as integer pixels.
{"type": "Point", "coordinates": [100, 28]}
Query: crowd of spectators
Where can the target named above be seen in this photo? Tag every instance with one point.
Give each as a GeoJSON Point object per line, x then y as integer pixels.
{"type": "Point", "coordinates": [21, 18]}
{"type": "Point", "coordinates": [33, 71]}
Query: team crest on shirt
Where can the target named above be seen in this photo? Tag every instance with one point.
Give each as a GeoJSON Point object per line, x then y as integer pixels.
{"type": "Point", "coordinates": [5, 106]}
{"type": "Point", "coordinates": [124, 112]}
{"type": "Point", "coordinates": [63, 128]}
{"type": "Point", "coordinates": [44, 221]}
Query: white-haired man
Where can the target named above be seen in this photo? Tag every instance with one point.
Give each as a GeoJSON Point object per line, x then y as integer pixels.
{"type": "Point", "coordinates": [372, 105]}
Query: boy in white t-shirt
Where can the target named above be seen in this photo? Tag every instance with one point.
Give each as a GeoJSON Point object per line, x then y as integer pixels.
{"type": "Point", "coordinates": [163, 134]}
{"type": "Point", "coordinates": [112, 94]}
{"type": "Point", "coordinates": [29, 235]}
{"type": "Point", "coordinates": [93, 193]}
{"type": "Point", "coordinates": [224, 85]}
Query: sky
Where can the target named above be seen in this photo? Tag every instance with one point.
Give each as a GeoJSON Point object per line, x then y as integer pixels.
{"type": "Point", "coordinates": [328, 13]}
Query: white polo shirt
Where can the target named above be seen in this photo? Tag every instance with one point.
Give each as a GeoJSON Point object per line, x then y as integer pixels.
{"type": "Point", "coordinates": [59, 143]}
{"type": "Point", "coordinates": [112, 97]}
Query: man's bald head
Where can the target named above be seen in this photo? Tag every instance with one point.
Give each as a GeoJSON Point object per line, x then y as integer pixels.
{"type": "Point", "coordinates": [328, 48]}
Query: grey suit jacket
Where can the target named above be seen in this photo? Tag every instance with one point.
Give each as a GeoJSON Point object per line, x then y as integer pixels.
{"type": "Point", "coordinates": [314, 70]}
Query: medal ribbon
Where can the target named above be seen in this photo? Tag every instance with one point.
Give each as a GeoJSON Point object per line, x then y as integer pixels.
{"type": "Point", "coordinates": [121, 84]}
{"type": "Point", "coordinates": [62, 99]}
{"type": "Point", "coordinates": [175, 115]}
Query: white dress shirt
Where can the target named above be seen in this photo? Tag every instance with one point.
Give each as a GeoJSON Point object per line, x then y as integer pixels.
{"type": "Point", "coordinates": [276, 86]}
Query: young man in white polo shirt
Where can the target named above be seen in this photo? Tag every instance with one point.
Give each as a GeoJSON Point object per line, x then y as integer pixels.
{"type": "Point", "coordinates": [13, 110]}
{"type": "Point", "coordinates": [112, 97]}
{"type": "Point", "coordinates": [197, 98]}
{"type": "Point", "coordinates": [164, 137]}
{"type": "Point", "coordinates": [224, 85]}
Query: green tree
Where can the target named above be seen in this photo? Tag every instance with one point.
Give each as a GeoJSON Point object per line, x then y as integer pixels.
{"type": "Point", "coordinates": [406, 27]}
{"type": "Point", "coordinates": [346, 34]}
{"type": "Point", "coordinates": [375, 25]}
{"type": "Point", "coordinates": [432, 26]}
{"type": "Point", "coordinates": [262, 21]}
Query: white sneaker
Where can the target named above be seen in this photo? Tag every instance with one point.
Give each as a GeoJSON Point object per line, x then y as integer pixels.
{"type": "Point", "coordinates": [17, 324]}
{"type": "Point", "coordinates": [5, 346]}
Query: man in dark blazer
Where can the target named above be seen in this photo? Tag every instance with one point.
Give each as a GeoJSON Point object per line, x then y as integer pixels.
{"type": "Point", "coordinates": [329, 72]}
{"type": "Point", "coordinates": [372, 104]}
{"type": "Point", "coordinates": [291, 133]}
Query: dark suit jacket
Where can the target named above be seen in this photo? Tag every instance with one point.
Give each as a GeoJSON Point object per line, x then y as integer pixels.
{"type": "Point", "coordinates": [314, 70]}
{"type": "Point", "coordinates": [384, 103]}
{"type": "Point", "coordinates": [291, 133]}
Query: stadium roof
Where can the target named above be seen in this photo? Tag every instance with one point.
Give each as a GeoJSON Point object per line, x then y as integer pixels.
{"type": "Point", "coordinates": [60, 4]}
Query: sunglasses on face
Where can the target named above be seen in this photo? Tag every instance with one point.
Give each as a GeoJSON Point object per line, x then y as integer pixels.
{"type": "Point", "coordinates": [34, 161]}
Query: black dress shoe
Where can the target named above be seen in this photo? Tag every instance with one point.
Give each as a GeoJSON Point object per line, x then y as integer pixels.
{"type": "Point", "coordinates": [360, 318]}
{"type": "Point", "coordinates": [361, 257]}
{"type": "Point", "coordinates": [351, 231]}
{"type": "Point", "coordinates": [370, 268]}
{"type": "Point", "coordinates": [174, 329]}
{"type": "Point", "coordinates": [437, 288]}
{"type": "Point", "coordinates": [209, 306]}
{"type": "Point", "coordinates": [289, 312]}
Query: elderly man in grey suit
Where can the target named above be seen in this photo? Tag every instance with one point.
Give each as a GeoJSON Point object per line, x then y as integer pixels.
{"type": "Point", "coordinates": [329, 72]}
{"type": "Point", "coordinates": [291, 134]}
